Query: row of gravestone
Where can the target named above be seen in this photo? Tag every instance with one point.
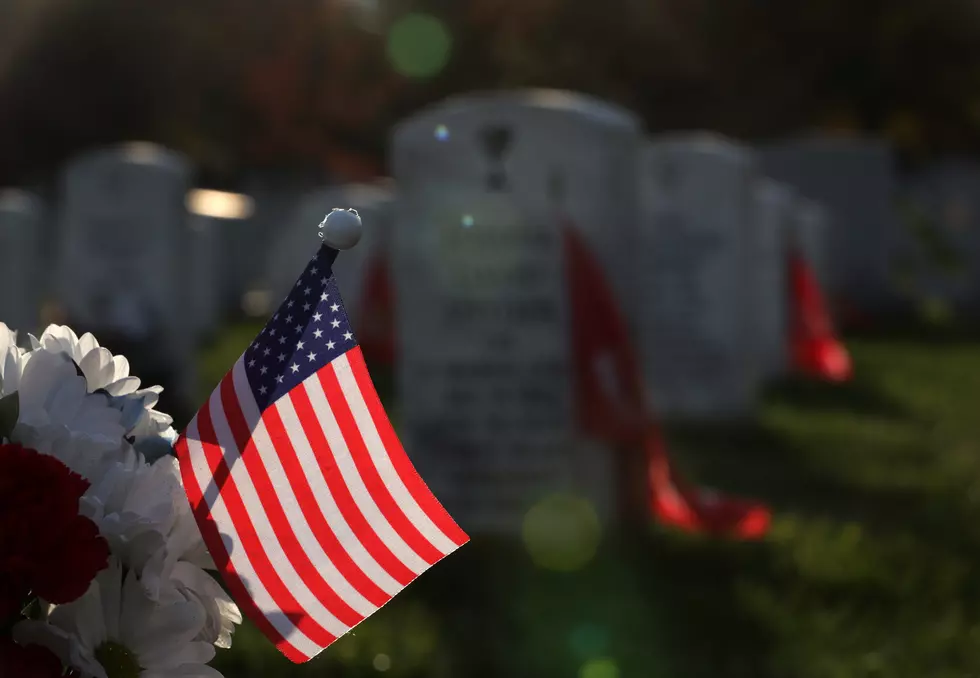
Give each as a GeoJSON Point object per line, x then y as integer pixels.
{"type": "Point", "coordinates": [687, 230]}
{"type": "Point", "coordinates": [691, 231]}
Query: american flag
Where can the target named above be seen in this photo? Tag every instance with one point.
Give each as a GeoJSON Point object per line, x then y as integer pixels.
{"type": "Point", "coordinates": [306, 500]}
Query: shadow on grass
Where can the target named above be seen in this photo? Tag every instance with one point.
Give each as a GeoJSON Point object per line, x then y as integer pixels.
{"type": "Point", "coordinates": [873, 563]}
{"type": "Point", "coordinates": [857, 397]}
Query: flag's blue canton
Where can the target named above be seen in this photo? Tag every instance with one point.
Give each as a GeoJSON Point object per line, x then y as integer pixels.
{"type": "Point", "coordinates": [308, 331]}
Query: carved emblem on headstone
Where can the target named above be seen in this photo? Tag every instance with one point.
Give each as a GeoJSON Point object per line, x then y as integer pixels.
{"type": "Point", "coordinates": [556, 186]}
{"type": "Point", "coordinates": [496, 140]}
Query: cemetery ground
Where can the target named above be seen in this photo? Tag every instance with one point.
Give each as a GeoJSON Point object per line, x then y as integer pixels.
{"type": "Point", "coordinates": [870, 568]}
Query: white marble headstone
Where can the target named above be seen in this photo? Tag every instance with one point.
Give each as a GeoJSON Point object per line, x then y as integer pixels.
{"type": "Point", "coordinates": [275, 198]}
{"type": "Point", "coordinates": [20, 279]}
{"type": "Point", "coordinates": [809, 233]}
{"type": "Point", "coordinates": [694, 290]}
{"type": "Point", "coordinates": [292, 248]}
{"type": "Point", "coordinates": [768, 261]}
{"type": "Point", "coordinates": [855, 180]}
{"type": "Point", "coordinates": [205, 257]}
{"type": "Point", "coordinates": [123, 260]}
{"type": "Point", "coordinates": [944, 261]}
{"type": "Point", "coordinates": [485, 379]}
{"type": "Point", "coordinates": [538, 142]}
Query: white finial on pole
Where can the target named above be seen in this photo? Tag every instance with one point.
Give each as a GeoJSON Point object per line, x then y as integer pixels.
{"type": "Point", "coordinates": [341, 229]}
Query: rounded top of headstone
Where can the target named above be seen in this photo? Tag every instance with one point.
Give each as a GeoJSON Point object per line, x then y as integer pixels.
{"type": "Point", "coordinates": [366, 195]}
{"type": "Point", "coordinates": [810, 210]}
{"type": "Point", "coordinates": [770, 189]}
{"type": "Point", "coordinates": [143, 153]}
{"type": "Point", "coordinates": [585, 106]}
{"type": "Point", "coordinates": [341, 229]}
{"type": "Point", "coordinates": [700, 140]}
{"type": "Point", "coordinates": [826, 143]}
{"type": "Point", "coordinates": [703, 144]}
{"type": "Point", "coordinates": [18, 200]}
{"type": "Point", "coordinates": [948, 168]}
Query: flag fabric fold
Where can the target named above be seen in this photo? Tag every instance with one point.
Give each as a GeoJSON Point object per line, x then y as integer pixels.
{"type": "Point", "coordinates": [626, 418]}
{"type": "Point", "coordinates": [305, 497]}
{"type": "Point", "coordinates": [622, 418]}
{"type": "Point", "coordinates": [815, 349]}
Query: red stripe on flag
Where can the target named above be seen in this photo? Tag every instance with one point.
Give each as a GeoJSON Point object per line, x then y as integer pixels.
{"type": "Point", "coordinates": [269, 498]}
{"type": "Point", "coordinates": [310, 507]}
{"type": "Point", "coordinates": [369, 473]}
{"type": "Point", "coordinates": [341, 493]}
{"type": "Point", "coordinates": [216, 547]}
{"type": "Point", "coordinates": [399, 459]}
{"type": "Point", "coordinates": [250, 541]}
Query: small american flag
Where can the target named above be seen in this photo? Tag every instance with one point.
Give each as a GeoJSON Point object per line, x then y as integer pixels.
{"type": "Point", "coordinates": [305, 498]}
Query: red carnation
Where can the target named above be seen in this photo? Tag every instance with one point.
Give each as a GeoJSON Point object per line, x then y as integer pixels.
{"type": "Point", "coordinates": [46, 548]}
{"type": "Point", "coordinates": [30, 661]}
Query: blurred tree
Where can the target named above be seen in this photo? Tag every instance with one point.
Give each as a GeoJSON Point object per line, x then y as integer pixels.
{"type": "Point", "coordinates": [309, 82]}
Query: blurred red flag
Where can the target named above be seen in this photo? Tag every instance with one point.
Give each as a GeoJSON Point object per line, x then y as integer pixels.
{"type": "Point", "coordinates": [622, 416]}
{"type": "Point", "coordinates": [816, 351]}
{"type": "Point", "coordinates": [377, 319]}
{"type": "Point", "coordinates": [600, 333]}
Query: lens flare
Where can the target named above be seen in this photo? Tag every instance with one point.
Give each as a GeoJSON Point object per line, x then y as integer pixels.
{"type": "Point", "coordinates": [562, 533]}
{"type": "Point", "coordinates": [382, 662]}
{"type": "Point", "coordinates": [442, 133]}
{"type": "Point", "coordinates": [467, 220]}
{"type": "Point", "coordinates": [419, 46]}
{"type": "Point", "coordinates": [588, 640]}
{"type": "Point", "coordinates": [599, 668]}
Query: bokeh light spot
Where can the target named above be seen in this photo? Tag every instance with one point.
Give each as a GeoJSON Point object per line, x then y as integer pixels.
{"type": "Point", "coordinates": [588, 640]}
{"type": "Point", "coordinates": [599, 668]}
{"type": "Point", "coordinates": [382, 662]}
{"type": "Point", "coordinates": [442, 133]}
{"type": "Point", "coordinates": [419, 45]}
{"type": "Point", "coordinates": [467, 220]}
{"type": "Point", "coordinates": [562, 533]}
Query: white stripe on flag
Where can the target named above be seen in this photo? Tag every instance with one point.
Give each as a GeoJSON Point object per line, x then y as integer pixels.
{"type": "Point", "coordinates": [290, 504]}
{"type": "Point", "coordinates": [331, 512]}
{"type": "Point", "coordinates": [382, 462]}
{"type": "Point", "coordinates": [239, 559]}
{"type": "Point", "coordinates": [352, 478]}
{"type": "Point", "coordinates": [309, 603]}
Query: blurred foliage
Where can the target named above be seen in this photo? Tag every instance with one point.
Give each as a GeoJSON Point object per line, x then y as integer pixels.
{"type": "Point", "coordinates": [235, 83]}
{"type": "Point", "coordinates": [933, 259]}
{"type": "Point", "coordinates": [869, 570]}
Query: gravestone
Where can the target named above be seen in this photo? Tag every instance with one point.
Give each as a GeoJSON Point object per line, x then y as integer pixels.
{"type": "Point", "coordinates": [592, 144]}
{"type": "Point", "coordinates": [123, 267]}
{"type": "Point", "coordinates": [694, 289]}
{"type": "Point", "coordinates": [20, 277]}
{"type": "Point", "coordinates": [854, 179]}
{"type": "Point", "coordinates": [809, 232]}
{"type": "Point", "coordinates": [485, 384]}
{"type": "Point", "coordinates": [292, 250]}
{"type": "Point", "coordinates": [205, 262]}
{"type": "Point", "coordinates": [770, 237]}
{"type": "Point", "coordinates": [941, 248]}
{"type": "Point", "coordinates": [219, 222]}
{"type": "Point", "coordinates": [275, 195]}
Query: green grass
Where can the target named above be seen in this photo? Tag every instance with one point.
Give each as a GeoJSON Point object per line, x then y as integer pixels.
{"type": "Point", "coordinates": [870, 569]}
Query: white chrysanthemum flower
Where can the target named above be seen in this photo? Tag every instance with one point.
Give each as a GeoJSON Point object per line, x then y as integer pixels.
{"type": "Point", "coordinates": [52, 394]}
{"type": "Point", "coordinates": [184, 541]}
{"type": "Point", "coordinates": [189, 582]}
{"type": "Point", "coordinates": [179, 570]}
{"type": "Point", "coordinates": [11, 360]}
{"type": "Point", "coordinates": [110, 374]}
{"type": "Point", "coordinates": [135, 506]}
{"type": "Point", "coordinates": [85, 455]}
{"type": "Point", "coordinates": [102, 370]}
{"type": "Point", "coordinates": [154, 447]}
{"type": "Point", "coordinates": [116, 631]}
